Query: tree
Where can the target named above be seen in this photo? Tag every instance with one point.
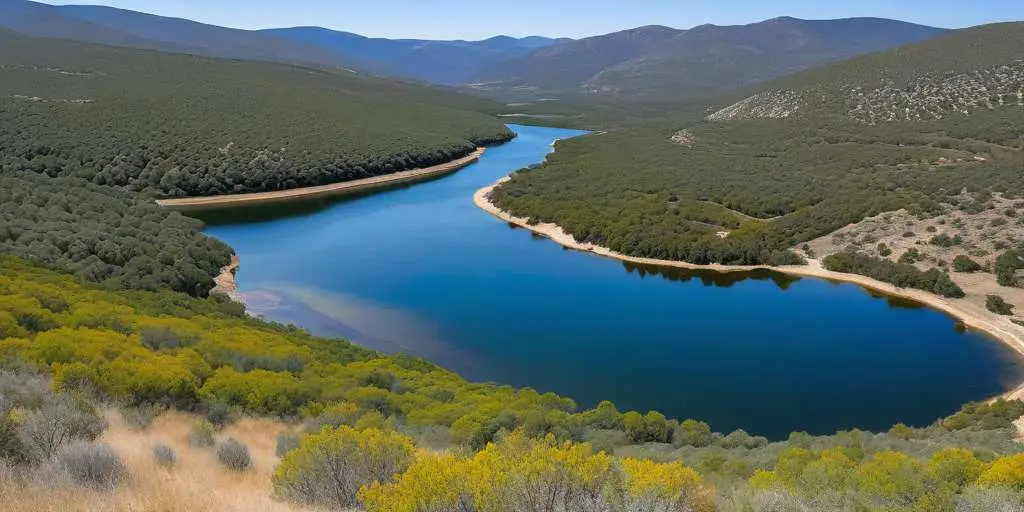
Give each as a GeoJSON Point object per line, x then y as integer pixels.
{"type": "Point", "coordinates": [998, 305]}
{"type": "Point", "coordinates": [965, 264]}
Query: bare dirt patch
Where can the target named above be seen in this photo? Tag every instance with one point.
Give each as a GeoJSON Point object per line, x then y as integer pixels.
{"type": "Point", "coordinates": [979, 231]}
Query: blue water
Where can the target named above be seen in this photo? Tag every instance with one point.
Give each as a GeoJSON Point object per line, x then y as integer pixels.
{"type": "Point", "coordinates": [422, 270]}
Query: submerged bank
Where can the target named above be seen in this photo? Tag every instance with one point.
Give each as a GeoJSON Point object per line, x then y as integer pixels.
{"type": "Point", "coordinates": [970, 314]}
{"type": "Point", "coordinates": [321, 191]}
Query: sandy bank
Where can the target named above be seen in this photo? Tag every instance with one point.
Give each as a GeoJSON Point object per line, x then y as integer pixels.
{"type": "Point", "coordinates": [225, 281]}
{"type": "Point", "coordinates": [334, 189]}
{"type": "Point", "coordinates": [971, 313]}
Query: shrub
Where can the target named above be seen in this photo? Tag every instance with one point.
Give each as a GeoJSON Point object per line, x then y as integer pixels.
{"type": "Point", "coordinates": [201, 435]}
{"type": "Point", "coordinates": [964, 264]}
{"type": "Point", "coordinates": [910, 257]}
{"type": "Point", "coordinates": [989, 500]}
{"type": "Point", "coordinates": [90, 465]}
{"type": "Point", "coordinates": [234, 455]}
{"type": "Point", "coordinates": [218, 413]}
{"type": "Point", "coordinates": [11, 448]}
{"type": "Point", "coordinates": [140, 417]}
{"type": "Point", "coordinates": [998, 305]}
{"type": "Point", "coordinates": [162, 338]}
{"type": "Point", "coordinates": [327, 469]}
{"type": "Point", "coordinates": [164, 456]}
{"type": "Point", "coordinates": [61, 420]}
{"type": "Point", "coordinates": [943, 240]}
{"type": "Point", "coordinates": [1005, 472]}
{"type": "Point", "coordinates": [693, 433]}
{"type": "Point", "coordinates": [286, 442]}
{"type": "Point", "coordinates": [884, 250]}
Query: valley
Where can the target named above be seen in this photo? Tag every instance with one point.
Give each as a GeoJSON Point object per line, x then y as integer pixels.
{"type": "Point", "coordinates": [252, 263]}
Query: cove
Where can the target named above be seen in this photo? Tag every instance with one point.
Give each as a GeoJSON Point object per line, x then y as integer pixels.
{"type": "Point", "coordinates": [421, 270]}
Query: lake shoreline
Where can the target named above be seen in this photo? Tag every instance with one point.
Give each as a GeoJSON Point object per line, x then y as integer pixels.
{"type": "Point", "coordinates": [321, 191]}
{"type": "Point", "coordinates": [226, 281]}
{"type": "Point", "coordinates": [996, 326]}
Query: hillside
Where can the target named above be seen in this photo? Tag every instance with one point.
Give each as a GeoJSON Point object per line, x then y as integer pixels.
{"type": "Point", "coordinates": [196, 398]}
{"type": "Point", "coordinates": [822, 180]}
{"type": "Point", "coordinates": [436, 62]}
{"type": "Point", "coordinates": [90, 134]}
{"type": "Point", "coordinates": [964, 71]}
{"type": "Point", "coordinates": [119, 27]}
{"type": "Point", "coordinates": [186, 126]}
{"type": "Point", "coordinates": [657, 61]}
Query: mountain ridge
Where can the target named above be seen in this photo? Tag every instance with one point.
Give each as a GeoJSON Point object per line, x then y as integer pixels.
{"type": "Point", "coordinates": [655, 59]}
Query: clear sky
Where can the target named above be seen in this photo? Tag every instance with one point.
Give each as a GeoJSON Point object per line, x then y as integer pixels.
{"type": "Point", "coordinates": [476, 19]}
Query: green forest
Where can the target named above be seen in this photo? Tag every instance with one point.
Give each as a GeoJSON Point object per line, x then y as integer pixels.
{"type": "Point", "coordinates": [445, 440]}
{"type": "Point", "coordinates": [106, 235]}
{"type": "Point", "coordinates": [90, 135]}
{"type": "Point", "coordinates": [638, 193]}
{"type": "Point", "coordinates": [179, 125]}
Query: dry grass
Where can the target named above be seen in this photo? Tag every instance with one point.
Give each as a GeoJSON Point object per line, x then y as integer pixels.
{"type": "Point", "coordinates": [198, 482]}
{"type": "Point", "coordinates": [982, 241]}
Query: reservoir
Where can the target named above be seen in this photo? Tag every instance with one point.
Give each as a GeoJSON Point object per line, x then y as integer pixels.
{"type": "Point", "coordinates": [422, 270]}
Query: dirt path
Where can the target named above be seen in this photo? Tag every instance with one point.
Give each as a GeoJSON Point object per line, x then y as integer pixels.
{"type": "Point", "coordinates": [969, 313]}
{"type": "Point", "coordinates": [298, 194]}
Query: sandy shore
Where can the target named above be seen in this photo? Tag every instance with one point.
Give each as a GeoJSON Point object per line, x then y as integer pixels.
{"type": "Point", "coordinates": [297, 194]}
{"type": "Point", "coordinates": [971, 314]}
{"type": "Point", "coordinates": [226, 283]}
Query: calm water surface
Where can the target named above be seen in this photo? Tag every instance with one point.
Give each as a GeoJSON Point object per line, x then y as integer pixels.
{"type": "Point", "coordinates": [422, 270]}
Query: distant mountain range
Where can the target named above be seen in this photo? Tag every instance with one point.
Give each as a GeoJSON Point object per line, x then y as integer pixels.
{"type": "Point", "coordinates": [658, 60]}
{"type": "Point", "coordinates": [438, 62]}
{"type": "Point", "coordinates": [654, 61]}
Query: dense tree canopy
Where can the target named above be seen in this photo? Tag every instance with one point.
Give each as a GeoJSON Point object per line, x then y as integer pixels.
{"type": "Point", "coordinates": [185, 126]}
{"type": "Point", "coordinates": [106, 235]}
{"type": "Point", "coordinates": [769, 184]}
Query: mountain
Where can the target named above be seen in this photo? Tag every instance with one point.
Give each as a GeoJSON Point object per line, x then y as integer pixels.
{"type": "Point", "coordinates": [438, 62]}
{"type": "Point", "coordinates": [119, 27]}
{"type": "Point", "coordinates": [960, 72]}
{"type": "Point", "coordinates": [663, 61]}
{"type": "Point", "coordinates": [568, 65]}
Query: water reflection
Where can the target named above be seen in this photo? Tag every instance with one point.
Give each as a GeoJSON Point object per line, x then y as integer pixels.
{"type": "Point", "coordinates": [710, 277]}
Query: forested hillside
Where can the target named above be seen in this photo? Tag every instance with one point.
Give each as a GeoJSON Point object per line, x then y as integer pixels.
{"type": "Point", "coordinates": [741, 192]}
{"type": "Point", "coordinates": [90, 135]}
{"type": "Point", "coordinates": [105, 235]}
{"type": "Point", "coordinates": [416, 437]}
{"type": "Point", "coordinates": [182, 126]}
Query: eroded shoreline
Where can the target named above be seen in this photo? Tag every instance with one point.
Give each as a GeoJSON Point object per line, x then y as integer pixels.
{"type": "Point", "coordinates": [971, 315]}
{"type": "Point", "coordinates": [320, 191]}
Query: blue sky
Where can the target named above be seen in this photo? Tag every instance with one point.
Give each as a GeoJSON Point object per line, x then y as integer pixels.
{"type": "Point", "coordinates": [476, 19]}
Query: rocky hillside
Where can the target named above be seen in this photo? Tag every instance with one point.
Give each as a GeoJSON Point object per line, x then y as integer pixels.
{"type": "Point", "coordinates": [977, 68]}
